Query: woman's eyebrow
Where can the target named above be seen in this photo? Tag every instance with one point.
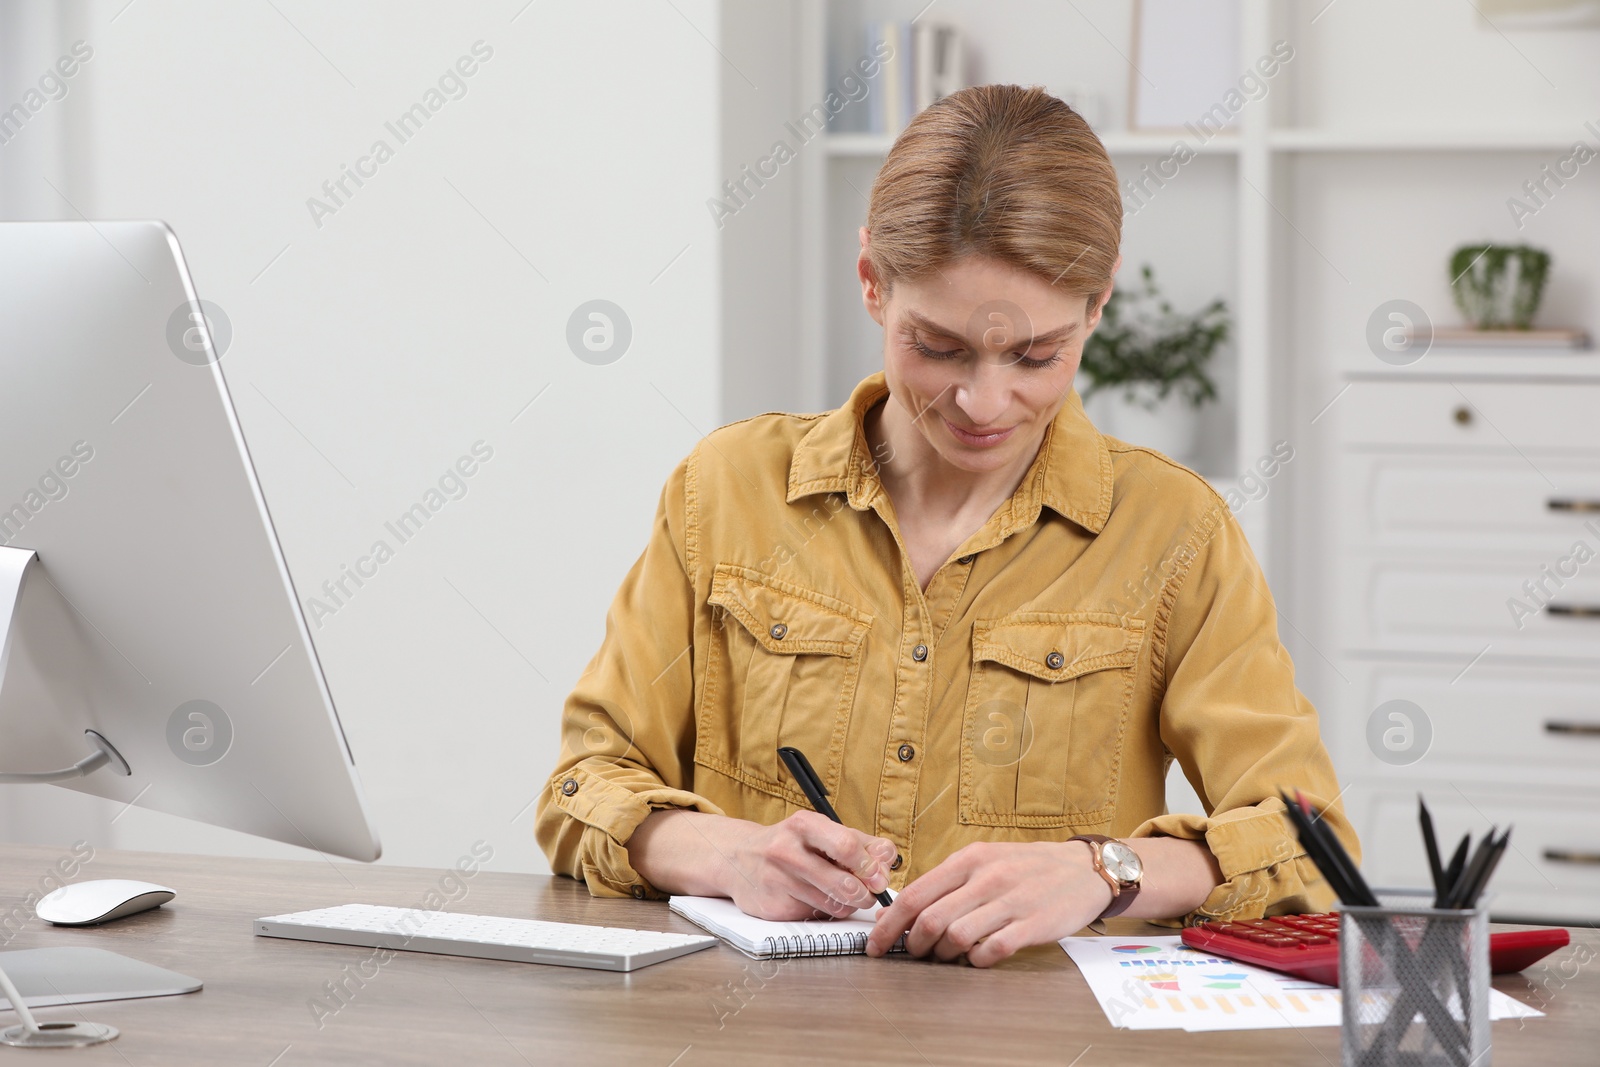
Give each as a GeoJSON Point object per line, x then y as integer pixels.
{"type": "Point", "coordinates": [1060, 333]}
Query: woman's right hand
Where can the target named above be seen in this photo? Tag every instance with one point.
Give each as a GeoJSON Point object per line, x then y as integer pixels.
{"type": "Point", "coordinates": [805, 867]}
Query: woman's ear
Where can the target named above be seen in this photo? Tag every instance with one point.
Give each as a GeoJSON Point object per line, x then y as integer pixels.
{"type": "Point", "coordinates": [1102, 297]}
{"type": "Point", "coordinates": [872, 296]}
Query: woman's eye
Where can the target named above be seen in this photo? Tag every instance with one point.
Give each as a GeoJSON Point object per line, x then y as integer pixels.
{"type": "Point", "coordinates": [935, 353]}
{"type": "Point", "coordinates": [1018, 356]}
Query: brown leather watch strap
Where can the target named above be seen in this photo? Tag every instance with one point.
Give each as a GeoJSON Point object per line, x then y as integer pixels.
{"type": "Point", "coordinates": [1121, 902]}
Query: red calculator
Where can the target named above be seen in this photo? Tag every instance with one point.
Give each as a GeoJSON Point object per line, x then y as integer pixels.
{"type": "Point", "coordinates": [1307, 946]}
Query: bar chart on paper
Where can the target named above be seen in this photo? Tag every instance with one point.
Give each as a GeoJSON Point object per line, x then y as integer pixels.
{"type": "Point", "coordinates": [1158, 983]}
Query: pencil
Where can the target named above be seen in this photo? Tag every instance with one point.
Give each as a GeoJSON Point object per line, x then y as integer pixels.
{"type": "Point", "coordinates": [1435, 868]}
{"type": "Point", "coordinates": [1335, 850]}
{"type": "Point", "coordinates": [1474, 871]}
{"type": "Point", "coordinates": [1312, 843]}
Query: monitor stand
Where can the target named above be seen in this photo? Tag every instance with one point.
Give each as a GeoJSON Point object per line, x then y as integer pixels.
{"type": "Point", "coordinates": [14, 566]}
{"type": "Point", "coordinates": [33, 1034]}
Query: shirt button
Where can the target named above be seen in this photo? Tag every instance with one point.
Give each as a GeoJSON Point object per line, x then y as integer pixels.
{"type": "Point", "coordinates": [906, 753]}
{"type": "Point", "coordinates": [1054, 661]}
{"type": "Point", "coordinates": [638, 892]}
{"type": "Point", "coordinates": [919, 653]}
{"type": "Point", "coordinates": [778, 630]}
{"type": "Point", "coordinates": [570, 786]}
{"type": "Point", "coordinates": [895, 866]}
{"type": "Point", "coordinates": [964, 559]}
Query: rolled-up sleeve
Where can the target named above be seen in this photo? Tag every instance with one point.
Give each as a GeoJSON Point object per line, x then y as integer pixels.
{"type": "Point", "coordinates": [1233, 718]}
{"type": "Point", "coordinates": [627, 738]}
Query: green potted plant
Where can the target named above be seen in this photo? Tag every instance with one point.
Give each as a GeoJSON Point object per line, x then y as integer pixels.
{"type": "Point", "coordinates": [1154, 360]}
{"type": "Point", "coordinates": [1499, 287]}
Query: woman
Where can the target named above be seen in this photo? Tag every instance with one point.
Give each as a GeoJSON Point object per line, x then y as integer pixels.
{"type": "Point", "coordinates": [989, 627]}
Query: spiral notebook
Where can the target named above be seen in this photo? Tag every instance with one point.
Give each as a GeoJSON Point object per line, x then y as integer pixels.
{"type": "Point", "coordinates": [764, 939]}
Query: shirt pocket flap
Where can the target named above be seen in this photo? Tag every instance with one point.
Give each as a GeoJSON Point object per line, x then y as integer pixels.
{"type": "Point", "coordinates": [1056, 646]}
{"type": "Point", "coordinates": [785, 619]}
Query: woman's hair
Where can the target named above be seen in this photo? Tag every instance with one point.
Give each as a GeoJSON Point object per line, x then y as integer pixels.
{"type": "Point", "coordinates": [1001, 171]}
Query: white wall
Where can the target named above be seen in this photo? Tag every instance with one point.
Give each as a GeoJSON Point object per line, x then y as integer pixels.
{"type": "Point", "coordinates": [371, 352]}
{"type": "Point", "coordinates": [761, 314]}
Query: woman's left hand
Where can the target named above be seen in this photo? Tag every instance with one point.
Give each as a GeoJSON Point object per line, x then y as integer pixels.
{"type": "Point", "coordinates": [990, 899]}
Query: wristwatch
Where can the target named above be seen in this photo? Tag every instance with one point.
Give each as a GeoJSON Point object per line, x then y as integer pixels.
{"type": "Point", "coordinates": [1117, 864]}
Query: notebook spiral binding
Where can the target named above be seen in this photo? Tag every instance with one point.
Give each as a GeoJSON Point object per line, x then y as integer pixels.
{"type": "Point", "coordinates": [854, 944]}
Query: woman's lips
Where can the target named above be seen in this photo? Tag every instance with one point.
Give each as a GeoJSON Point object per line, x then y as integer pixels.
{"type": "Point", "coordinates": [979, 440]}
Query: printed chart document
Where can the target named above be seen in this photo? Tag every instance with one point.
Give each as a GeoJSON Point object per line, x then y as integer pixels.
{"type": "Point", "coordinates": [1159, 983]}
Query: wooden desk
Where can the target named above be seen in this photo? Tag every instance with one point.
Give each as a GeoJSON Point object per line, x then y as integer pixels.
{"type": "Point", "coordinates": [424, 1009]}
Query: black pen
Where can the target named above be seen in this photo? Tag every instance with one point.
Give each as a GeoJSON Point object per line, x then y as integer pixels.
{"type": "Point", "coordinates": [817, 793]}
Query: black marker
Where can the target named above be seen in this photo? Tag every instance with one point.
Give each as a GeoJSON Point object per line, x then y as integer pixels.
{"type": "Point", "coordinates": [817, 794]}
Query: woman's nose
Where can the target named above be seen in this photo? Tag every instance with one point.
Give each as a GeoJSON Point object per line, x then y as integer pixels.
{"type": "Point", "coordinates": [982, 397]}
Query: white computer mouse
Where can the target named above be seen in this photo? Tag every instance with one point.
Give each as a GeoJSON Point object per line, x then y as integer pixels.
{"type": "Point", "coordinates": [100, 901]}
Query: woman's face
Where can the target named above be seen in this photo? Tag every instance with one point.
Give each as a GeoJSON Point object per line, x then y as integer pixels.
{"type": "Point", "coordinates": [981, 355]}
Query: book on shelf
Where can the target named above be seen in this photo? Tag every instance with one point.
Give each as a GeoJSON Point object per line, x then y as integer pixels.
{"type": "Point", "coordinates": [923, 65]}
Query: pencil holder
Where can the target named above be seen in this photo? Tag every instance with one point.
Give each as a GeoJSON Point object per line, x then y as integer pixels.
{"type": "Point", "coordinates": [1414, 981]}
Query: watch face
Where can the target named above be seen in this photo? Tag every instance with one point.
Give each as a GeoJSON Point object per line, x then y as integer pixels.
{"type": "Point", "coordinates": [1121, 862]}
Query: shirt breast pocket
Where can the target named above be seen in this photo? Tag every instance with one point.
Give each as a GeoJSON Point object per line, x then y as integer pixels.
{"type": "Point", "coordinates": [781, 669]}
{"type": "Point", "coordinates": [1047, 706]}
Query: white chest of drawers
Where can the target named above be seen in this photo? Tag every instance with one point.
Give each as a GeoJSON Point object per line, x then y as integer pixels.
{"type": "Point", "coordinates": [1466, 522]}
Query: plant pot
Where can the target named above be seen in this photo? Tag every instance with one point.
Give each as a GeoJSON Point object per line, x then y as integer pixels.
{"type": "Point", "coordinates": [1170, 425]}
{"type": "Point", "coordinates": [1499, 287]}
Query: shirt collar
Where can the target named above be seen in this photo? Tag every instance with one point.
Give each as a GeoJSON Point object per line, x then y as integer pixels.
{"type": "Point", "coordinates": [1071, 474]}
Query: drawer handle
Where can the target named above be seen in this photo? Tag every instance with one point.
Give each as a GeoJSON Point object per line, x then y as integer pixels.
{"type": "Point", "coordinates": [1462, 415]}
{"type": "Point", "coordinates": [1577, 611]}
{"type": "Point", "coordinates": [1581, 729]}
{"type": "Point", "coordinates": [1563, 503]}
{"type": "Point", "coordinates": [1562, 855]}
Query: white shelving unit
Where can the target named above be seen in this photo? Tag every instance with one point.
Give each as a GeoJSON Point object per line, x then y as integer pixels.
{"type": "Point", "coordinates": [1247, 176]}
{"type": "Point", "coordinates": [1476, 139]}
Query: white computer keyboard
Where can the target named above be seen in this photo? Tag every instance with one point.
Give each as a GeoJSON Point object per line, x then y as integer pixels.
{"type": "Point", "coordinates": [485, 936]}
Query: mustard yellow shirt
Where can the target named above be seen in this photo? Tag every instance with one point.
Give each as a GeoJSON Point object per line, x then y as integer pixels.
{"type": "Point", "coordinates": [1108, 619]}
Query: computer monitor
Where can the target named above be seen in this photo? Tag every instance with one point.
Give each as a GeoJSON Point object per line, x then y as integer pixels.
{"type": "Point", "coordinates": [150, 635]}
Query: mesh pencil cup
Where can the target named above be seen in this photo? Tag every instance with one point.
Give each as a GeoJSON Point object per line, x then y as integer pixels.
{"type": "Point", "coordinates": [1414, 981]}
